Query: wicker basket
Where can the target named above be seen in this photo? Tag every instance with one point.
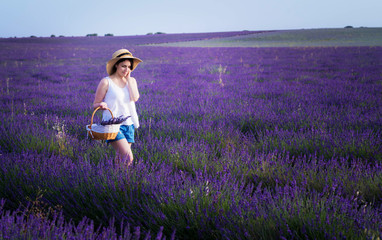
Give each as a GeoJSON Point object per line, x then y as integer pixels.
{"type": "Point", "coordinates": [100, 132]}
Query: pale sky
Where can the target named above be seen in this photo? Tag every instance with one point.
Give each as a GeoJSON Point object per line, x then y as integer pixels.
{"type": "Point", "coordinates": [42, 18]}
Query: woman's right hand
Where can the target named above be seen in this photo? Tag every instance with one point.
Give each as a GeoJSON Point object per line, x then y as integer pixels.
{"type": "Point", "coordinates": [102, 105]}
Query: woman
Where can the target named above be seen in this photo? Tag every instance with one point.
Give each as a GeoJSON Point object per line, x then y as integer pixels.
{"type": "Point", "coordinates": [119, 92]}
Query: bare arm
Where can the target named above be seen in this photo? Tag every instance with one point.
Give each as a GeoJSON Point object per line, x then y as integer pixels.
{"type": "Point", "coordinates": [133, 89]}
{"type": "Point", "coordinates": [100, 94]}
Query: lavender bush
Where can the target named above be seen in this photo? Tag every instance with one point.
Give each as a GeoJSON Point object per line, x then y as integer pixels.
{"type": "Point", "coordinates": [235, 143]}
{"type": "Point", "coordinates": [27, 225]}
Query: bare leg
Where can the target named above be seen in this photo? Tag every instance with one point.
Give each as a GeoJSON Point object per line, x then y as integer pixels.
{"type": "Point", "coordinates": [123, 152]}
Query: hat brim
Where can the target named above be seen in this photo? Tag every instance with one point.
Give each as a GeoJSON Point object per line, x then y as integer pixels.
{"type": "Point", "coordinates": [110, 64]}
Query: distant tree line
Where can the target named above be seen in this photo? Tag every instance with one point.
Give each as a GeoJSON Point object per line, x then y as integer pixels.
{"type": "Point", "coordinates": [87, 35]}
{"type": "Point", "coordinates": [95, 35]}
{"type": "Point", "coordinates": [150, 33]}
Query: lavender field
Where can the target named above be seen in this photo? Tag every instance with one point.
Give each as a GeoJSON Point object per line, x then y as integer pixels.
{"type": "Point", "coordinates": [235, 142]}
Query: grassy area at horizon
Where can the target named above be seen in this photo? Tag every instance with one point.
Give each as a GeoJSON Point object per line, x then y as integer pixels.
{"type": "Point", "coordinates": [335, 37]}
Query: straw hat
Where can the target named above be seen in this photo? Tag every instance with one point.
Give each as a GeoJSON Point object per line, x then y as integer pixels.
{"type": "Point", "coordinates": [120, 54]}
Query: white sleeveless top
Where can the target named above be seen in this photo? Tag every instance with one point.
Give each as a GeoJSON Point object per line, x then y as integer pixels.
{"type": "Point", "coordinates": [118, 100]}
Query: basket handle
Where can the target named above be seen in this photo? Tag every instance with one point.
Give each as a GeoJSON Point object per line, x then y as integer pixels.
{"type": "Point", "coordinates": [95, 110]}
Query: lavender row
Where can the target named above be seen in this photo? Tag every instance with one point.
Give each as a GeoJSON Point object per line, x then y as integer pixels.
{"type": "Point", "coordinates": [202, 205]}
{"type": "Point", "coordinates": [195, 148]}
{"type": "Point", "coordinates": [75, 47]}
